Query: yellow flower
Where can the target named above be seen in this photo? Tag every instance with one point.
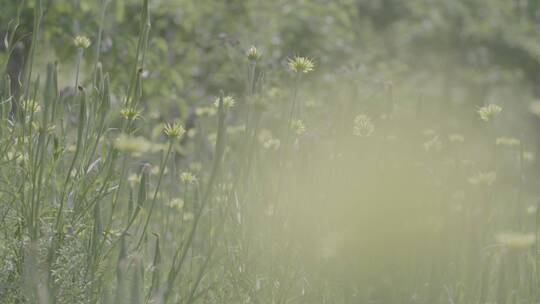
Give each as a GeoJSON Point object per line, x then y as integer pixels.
{"type": "Point", "coordinates": [173, 130]}
{"type": "Point", "coordinates": [253, 53]}
{"type": "Point", "coordinates": [129, 113]}
{"type": "Point", "coordinates": [300, 64]}
{"type": "Point", "coordinates": [176, 203]}
{"type": "Point", "coordinates": [228, 102]}
{"type": "Point", "coordinates": [81, 42]}
{"type": "Point", "coordinates": [188, 178]}
{"type": "Point", "coordinates": [489, 112]}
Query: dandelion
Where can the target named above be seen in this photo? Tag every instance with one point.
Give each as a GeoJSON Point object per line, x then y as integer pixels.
{"type": "Point", "coordinates": [129, 113]}
{"type": "Point", "coordinates": [300, 64]}
{"type": "Point", "coordinates": [514, 240]}
{"type": "Point", "coordinates": [363, 127]}
{"type": "Point", "coordinates": [131, 144]}
{"type": "Point", "coordinates": [81, 42]}
{"type": "Point", "coordinates": [188, 178]}
{"type": "Point", "coordinates": [483, 178]}
{"type": "Point", "coordinates": [507, 141]}
{"type": "Point", "coordinates": [228, 102]}
{"type": "Point", "coordinates": [489, 112]}
{"type": "Point", "coordinates": [253, 54]}
{"type": "Point", "coordinates": [173, 130]}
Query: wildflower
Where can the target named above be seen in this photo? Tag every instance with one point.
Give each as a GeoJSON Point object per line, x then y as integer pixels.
{"type": "Point", "coordinates": [176, 203]}
{"type": "Point", "coordinates": [299, 127]}
{"type": "Point", "coordinates": [188, 178]}
{"type": "Point", "coordinates": [173, 130]}
{"type": "Point", "coordinates": [489, 112]}
{"type": "Point", "coordinates": [129, 113]}
{"type": "Point", "coordinates": [363, 126]}
{"type": "Point", "coordinates": [483, 178]}
{"type": "Point", "coordinates": [513, 240]}
{"type": "Point", "coordinates": [456, 138]}
{"type": "Point", "coordinates": [131, 144]}
{"type": "Point", "coordinates": [507, 141]}
{"type": "Point", "coordinates": [228, 102]}
{"type": "Point", "coordinates": [253, 53]}
{"type": "Point", "coordinates": [301, 65]}
{"type": "Point", "coordinates": [81, 42]}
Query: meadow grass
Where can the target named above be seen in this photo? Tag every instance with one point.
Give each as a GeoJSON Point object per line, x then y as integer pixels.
{"type": "Point", "coordinates": [293, 190]}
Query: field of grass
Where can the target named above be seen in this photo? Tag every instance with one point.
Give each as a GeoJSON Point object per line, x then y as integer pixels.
{"type": "Point", "coordinates": [146, 163]}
